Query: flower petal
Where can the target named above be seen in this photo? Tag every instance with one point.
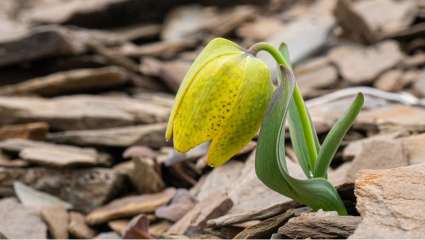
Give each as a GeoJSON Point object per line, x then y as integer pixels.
{"type": "Point", "coordinates": [215, 48]}
{"type": "Point", "coordinates": [208, 102]}
{"type": "Point", "coordinates": [246, 115]}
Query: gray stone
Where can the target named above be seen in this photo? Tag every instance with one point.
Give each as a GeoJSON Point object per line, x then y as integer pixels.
{"type": "Point", "coordinates": [40, 43]}
{"type": "Point", "coordinates": [391, 203]}
{"type": "Point", "coordinates": [78, 112]}
{"type": "Point", "coordinates": [18, 222]}
{"type": "Point", "coordinates": [37, 200]}
{"type": "Point", "coordinates": [54, 155]}
{"type": "Point", "coordinates": [148, 135]}
{"type": "Point", "coordinates": [85, 189]}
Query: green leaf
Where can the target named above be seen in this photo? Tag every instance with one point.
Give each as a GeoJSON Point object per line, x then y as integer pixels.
{"type": "Point", "coordinates": [334, 138]}
{"type": "Point", "coordinates": [303, 135]}
{"type": "Point", "coordinates": [270, 162]}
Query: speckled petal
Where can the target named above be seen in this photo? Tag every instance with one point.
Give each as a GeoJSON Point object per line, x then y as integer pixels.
{"type": "Point", "coordinates": [209, 101]}
{"type": "Point", "coordinates": [246, 115]}
{"type": "Point", "coordinates": [215, 48]}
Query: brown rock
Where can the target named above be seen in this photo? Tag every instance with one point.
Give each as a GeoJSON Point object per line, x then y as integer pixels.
{"type": "Point", "coordinates": [77, 226]}
{"type": "Point", "coordinates": [415, 148]}
{"type": "Point", "coordinates": [85, 189]}
{"type": "Point", "coordinates": [359, 65]}
{"type": "Point", "coordinates": [391, 203]}
{"type": "Point", "coordinates": [419, 85]}
{"type": "Point", "coordinates": [20, 222]}
{"type": "Point", "coordinates": [53, 155]}
{"type": "Point", "coordinates": [316, 73]}
{"type": "Point", "coordinates": [378, 154]}
{"type": "Point", "coordinates": [222, 178]}
{"type": "Point", "coordinates": [181, 203]}
{"type": "Point", "coordinates": [364, 19]}
{"type": "Point", "coordinates": [82, 111]}
{"type": "Point", "coordinates": [68, 82]}
{"type": "Point", "coordinates": [354, 148]}
{"type": "Point", "coordinates": [393, 118]}
{"type": "Point", "coordinates": [146, 176]}
{"type": "Point", "coordinates": [261, 29]}
{"type": "Point", "coordinates": [265, 228]}
{"type": "Point", "coordinates": [320, 225]}
{"type": "Point", "coordinates": [130, 206]}
{"type": "Point", "coordinates": [138, 228]}
{"type": "Point", "coordinates": [57, 221]}
{"type": "Point", "coordinates": [214, 206]}
{"type": "Point", "coordinates": [248, 193]}
{"type": "Point", "coordinates": [35, 131]}
{"type": "Point", "coordinates": [5, 161]}
{"type": "Point", "coordinates": [150, 135]}
{"type": "Point", "coordinates": [139, 151]}
{"type": "Point", "coordinates": [118, 226]}
{"type": "Point", "coordinates": [158, 229]}
{"type": "Point", "coordinates": [391, 81]}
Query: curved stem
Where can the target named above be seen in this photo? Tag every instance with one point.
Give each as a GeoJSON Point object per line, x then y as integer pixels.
{"type": "Point", "coordinates": [297, 97]}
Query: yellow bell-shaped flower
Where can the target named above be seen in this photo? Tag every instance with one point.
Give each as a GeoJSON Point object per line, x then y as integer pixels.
{"type": "Point", "coordinates": [222, 99]}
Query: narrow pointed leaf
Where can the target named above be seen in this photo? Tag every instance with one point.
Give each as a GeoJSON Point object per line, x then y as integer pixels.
{"type": "Point", "coordinates": [270, 163]}
{"type": "Point", "coordinates": [303, 135]}
{"type": "Point", "coordinates": [334, 138]}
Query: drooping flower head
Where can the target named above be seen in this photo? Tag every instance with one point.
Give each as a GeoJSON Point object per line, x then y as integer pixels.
{"type": "Point", "coordinates": [222, 99]}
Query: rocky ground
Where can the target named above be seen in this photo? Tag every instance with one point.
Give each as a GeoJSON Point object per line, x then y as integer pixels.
{"type": "Point", "coordinates": [86, 88]}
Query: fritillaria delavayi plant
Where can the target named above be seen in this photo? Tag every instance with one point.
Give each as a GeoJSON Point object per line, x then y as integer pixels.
{"type": "Point", "coordinates": [227, 95]}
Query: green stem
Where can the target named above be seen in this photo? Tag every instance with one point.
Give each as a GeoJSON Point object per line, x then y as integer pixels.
{"type": "Point", "coordinates": [297, 97]}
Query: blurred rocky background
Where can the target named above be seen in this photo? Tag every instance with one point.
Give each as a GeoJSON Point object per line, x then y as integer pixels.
{"type": "Point", "coordinates": [86, 87]}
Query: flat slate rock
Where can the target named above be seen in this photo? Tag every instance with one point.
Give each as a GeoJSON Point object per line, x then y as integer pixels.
{"type": "Point", "coordinates": [392, 118]}
{"type": "Point", "coordinates": [40, 43]}
{"type": "Point", "coordinates": [266, 228]}
{"type": "Point", "coordinates": [79, 112]}
{"type": "Point", "coordinates": [378, 154]}
{"type": "Point", "coordinates": [364, 19]}
{"type": "Point", "coordinates": [85, 189]}
{"type": "Point", "coordinates": [18, 222]}
{"type": "Point", "coordinates": [216, 205]}
{"type": "Point", "coordinates": [54, 155]}
{"type": "Point", "coordinates": [151, 135]}
{"type": "Point", "coordinates": [320, 225]}
{"type": "Point", "coordinates": [361, 65]}
{"type": "Point", "coordinates": [130, 206]}
{"type": "Point", "coordinates": [391, 203]}
{"type": "Point", "coordinates": [68, 82]}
